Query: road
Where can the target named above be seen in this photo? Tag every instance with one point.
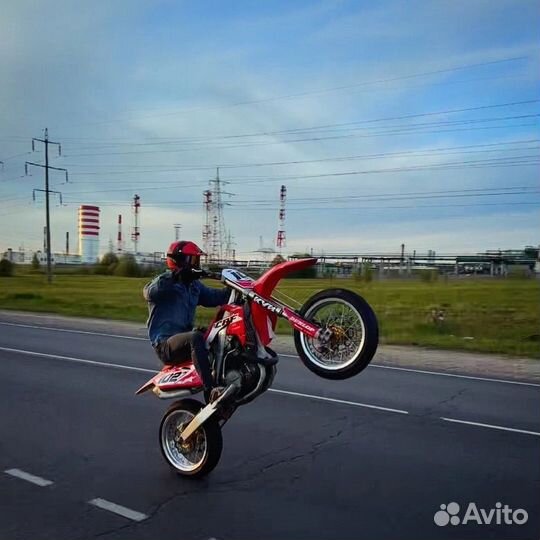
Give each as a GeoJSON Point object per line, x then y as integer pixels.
{"type": "Point", "coordinates": [371, 457]}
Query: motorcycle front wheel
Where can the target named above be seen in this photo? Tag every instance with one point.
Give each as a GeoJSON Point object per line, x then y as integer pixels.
{"type": "Point", "coordinates": [351, 330]}
{"type": "Point", "coordinates": [197, 456]}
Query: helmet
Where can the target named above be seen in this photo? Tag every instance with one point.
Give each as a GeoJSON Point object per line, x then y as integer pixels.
{"type": "Point", "coordinates": [184, 254]}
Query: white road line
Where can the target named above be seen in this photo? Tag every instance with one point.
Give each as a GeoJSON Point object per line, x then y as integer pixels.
{"type": "Point", "coordinates": [491, 426]}
{"type": "Point", "coordinates": [505, 381]}
{"type": "Point", "coordinates": [117, 509]}
{"type": "Point", "coordinates": [38, 481]}
{"type": "Point", "coordinates": [342, 401]}
{"type": "Point", "coordinates": [108, 365]}
{"type": "Point", "coordinates": [73, 331]}
{"type": "Point", "coordinates": [440, 373]}
{"type": "Point", "coordinates": [423, 371]}
{"type": "Point", "coordinates": [79, 360]}
{"type": "Point", "coordinates": [275, 390]}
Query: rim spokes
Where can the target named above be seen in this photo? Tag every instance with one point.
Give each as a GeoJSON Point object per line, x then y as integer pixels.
{"type": "Point", "coordinates": [347, 334]}
{"type": "Point", "coordinates": [183, 455]}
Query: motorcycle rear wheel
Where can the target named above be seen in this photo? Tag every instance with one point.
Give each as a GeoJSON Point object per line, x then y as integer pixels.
{"type": "Point", "coordinates": [197, 456]}
{"type": "Point", "coordinates": [355, 334]}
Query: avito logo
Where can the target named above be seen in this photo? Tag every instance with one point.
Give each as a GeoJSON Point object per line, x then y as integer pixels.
{"type": "Point", "coordinates": [500, 515]}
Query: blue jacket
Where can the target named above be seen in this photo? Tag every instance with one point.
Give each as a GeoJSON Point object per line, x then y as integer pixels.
{"type": "Point", "coordinates": [171, 305]}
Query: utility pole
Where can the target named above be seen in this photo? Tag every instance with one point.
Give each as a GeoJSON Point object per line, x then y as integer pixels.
{"type": "Point", "coordinates": [46, 142]}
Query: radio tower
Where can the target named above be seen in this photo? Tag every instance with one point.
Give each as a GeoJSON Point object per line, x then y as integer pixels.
{"type": "Point", "coordinates": [207, 227]}
{"type": "Point", "coordinates": [119, 241]}
{"type": "Point", "coordinates": [135, 234]}
{"type": "Point", "coordinates": [281, 232]}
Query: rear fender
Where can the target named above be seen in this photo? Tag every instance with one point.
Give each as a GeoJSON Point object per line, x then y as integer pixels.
{"type": "Point", "coordinates": [263, 319]}
{"type": "Point", "coordinates": [178, 377]}
{"type": "Point", "coordinates": [146, 386]}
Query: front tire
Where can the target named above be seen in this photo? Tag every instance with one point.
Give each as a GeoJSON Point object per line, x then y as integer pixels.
{"type": "Point", "coordinates": [355, 334]}
{"type": "Point", "coordinates": [201, 452]}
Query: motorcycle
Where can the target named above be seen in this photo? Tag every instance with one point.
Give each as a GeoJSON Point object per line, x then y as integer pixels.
{"type": "Point", "coordinates": [335, 336]}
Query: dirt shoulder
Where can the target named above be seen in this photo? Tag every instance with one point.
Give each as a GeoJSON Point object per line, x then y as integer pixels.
{"type": "Point", "coordinates": [476, 364]}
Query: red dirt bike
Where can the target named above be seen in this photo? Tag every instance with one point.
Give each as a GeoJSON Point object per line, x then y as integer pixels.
{"type": "Point", "coordinates": [335, 335]}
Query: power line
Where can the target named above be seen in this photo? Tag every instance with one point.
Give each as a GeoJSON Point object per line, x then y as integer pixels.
{"type": "Point", "coordinates": [328, 90]}
{"type": "Point", "coordinates": [378, 207]}
{"type": "Point", "coordinates": [324, 128]}
{"type": "Point", "coordinates": [419, 153]}
{"type": "Point", "coordinates": [421, 131]}
{"type": "Point", "coordinates": [463, 149]}
{"type": "Point", "coordinates": [518, 161]}
{"type": "Point", "coordinates": [509, 190]}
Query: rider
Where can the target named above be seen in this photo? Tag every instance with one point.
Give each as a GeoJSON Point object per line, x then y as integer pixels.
{"type": "Point", "coordinates": [172, 299]}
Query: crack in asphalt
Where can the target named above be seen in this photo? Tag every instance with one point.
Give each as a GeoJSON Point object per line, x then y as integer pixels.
{"type": "Point", "coordinates": [428, 411]}
{"type": "Point", "coordinates": [244, 482]}
{"type": "Point", "coordinates": [457, 394]}
{"type": "Point", "coordinates": [310, 453]}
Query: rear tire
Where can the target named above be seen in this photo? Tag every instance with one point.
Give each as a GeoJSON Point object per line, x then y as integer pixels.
{"type": "Point", "coordinates": [201, 452]}
{"type": "Point", "coordinates": [359, 335]}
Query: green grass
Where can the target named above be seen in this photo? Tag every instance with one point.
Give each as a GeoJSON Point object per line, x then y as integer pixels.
{"type": "Point", "coordinates": [500, 316]}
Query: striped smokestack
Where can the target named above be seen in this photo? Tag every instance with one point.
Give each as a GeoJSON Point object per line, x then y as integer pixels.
{"type": "Point", "coordinates": [89, 233]}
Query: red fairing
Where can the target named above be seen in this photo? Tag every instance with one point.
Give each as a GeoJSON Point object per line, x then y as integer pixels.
{"type": "Point", "coordinates": [266, 284]}
{"type": "Point", "coordinates": [236, 327]}
{"type": "Point", "coordinates": [264, 321]}
{"type": "Point", "coordinates": [183, 376]}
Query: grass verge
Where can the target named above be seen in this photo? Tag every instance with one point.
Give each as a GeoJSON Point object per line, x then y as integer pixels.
{"type": "Point", "coordinates": [488, 315]}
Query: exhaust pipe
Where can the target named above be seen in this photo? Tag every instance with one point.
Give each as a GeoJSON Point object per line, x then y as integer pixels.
{"type": "Point", "coordinates": [170, 395]}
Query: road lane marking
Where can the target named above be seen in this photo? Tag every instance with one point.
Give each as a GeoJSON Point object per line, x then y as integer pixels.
{"type": "Point", "coordinates": [505, 381]}
{"type": "Point", "coordinates": [38, 481]}
{"type": "Point", "coordinates": [341, 401]}
{"type": "Point", "coordinates": [442, 374]}
{"type": "Point", "coordinates": [275, 390]}
{"type": "Point", "coordinates": [117, 509]}
{"type": "Point", "coordinates": [491, 426]}
{"type": "Point", "coordinates": [73, 331]}
{"type": "Point", "coordinates": [412, 370]}
{"type": "Point", "coordinates": [78, 360]}
{"type": "Point", "coordinates": [153, 372]}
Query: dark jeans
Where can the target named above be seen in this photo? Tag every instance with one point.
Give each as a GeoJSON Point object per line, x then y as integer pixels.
{"type": "Point", "coordinates": [180, 347]}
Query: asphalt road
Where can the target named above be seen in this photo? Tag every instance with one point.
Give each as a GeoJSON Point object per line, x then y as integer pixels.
{"type": "Point", "coordinates": [372, 457]}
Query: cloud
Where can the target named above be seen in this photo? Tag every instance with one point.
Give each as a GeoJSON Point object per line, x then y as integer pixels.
{"type": "Point", "coordinates": [111, 80]}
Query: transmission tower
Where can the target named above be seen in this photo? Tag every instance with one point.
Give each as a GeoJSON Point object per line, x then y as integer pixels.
{"type": "Point", "coordinates": [230, 252]}
{"type": "Point", "coordinates": [218, 218]}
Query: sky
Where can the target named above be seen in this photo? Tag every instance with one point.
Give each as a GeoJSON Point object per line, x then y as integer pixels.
{"type": "Point", "coordinates": [390, 122]}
